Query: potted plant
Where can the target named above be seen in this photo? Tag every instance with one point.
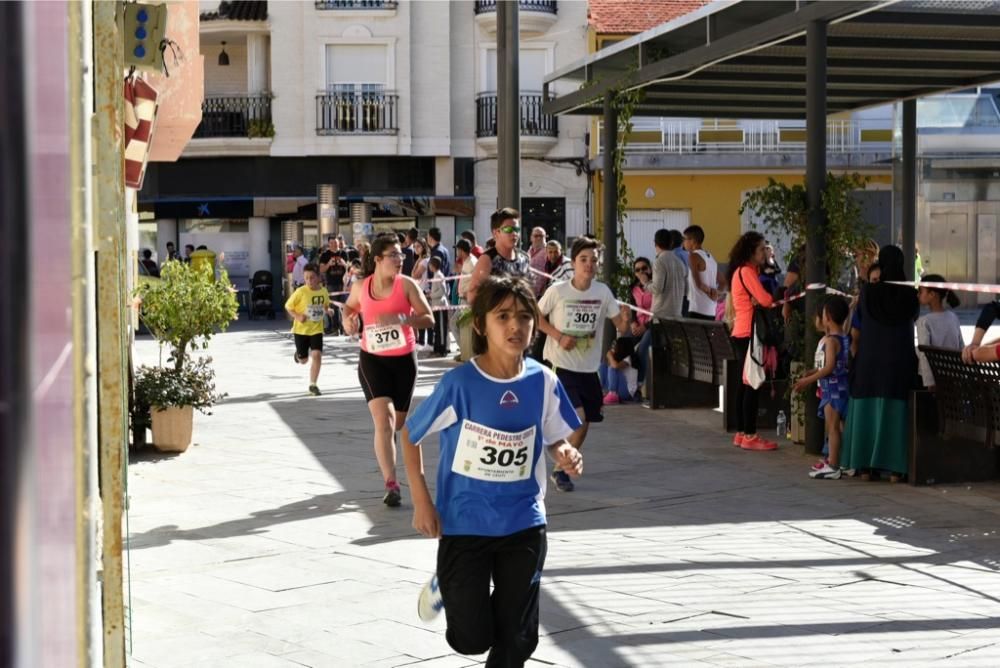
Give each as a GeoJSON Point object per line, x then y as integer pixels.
{"type": "Point", "coordinates": [171, 395]}
{"type": "Point", "coordinates": [182, 310]}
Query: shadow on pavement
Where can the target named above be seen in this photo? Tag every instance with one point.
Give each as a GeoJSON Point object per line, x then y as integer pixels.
{"type": "Point", "coordinates": [664, 496]}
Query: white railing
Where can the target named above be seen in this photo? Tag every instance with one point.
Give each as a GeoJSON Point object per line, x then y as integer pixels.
{"type": "Point", "coordinates": [682, 136]}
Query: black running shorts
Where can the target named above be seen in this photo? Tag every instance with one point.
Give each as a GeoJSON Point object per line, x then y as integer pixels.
{"type": "Point", "coordinates": [584, 390]}
{"type": "Point", "coordinates": [306, 342]}
{"type": "Point", "coordinates": [392, 377]}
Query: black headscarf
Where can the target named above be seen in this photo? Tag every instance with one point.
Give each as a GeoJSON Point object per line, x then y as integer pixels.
{"type": "Point", "coordinates": [891, 304]}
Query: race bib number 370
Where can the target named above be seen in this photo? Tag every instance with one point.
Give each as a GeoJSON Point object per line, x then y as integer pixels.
{"type": "Point", "coordinates": [490, 454]}
{"type": "Point", "coordinates": [382, 338]}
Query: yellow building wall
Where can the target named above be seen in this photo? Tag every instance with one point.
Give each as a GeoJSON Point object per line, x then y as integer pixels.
{"type": "Point", "coordinates": [713, 199]}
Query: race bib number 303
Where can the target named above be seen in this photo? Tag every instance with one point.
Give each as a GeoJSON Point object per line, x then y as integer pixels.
{"type": "Point", "coordinates": [493, 455]}
{"type": "Point", "coordinates": [582, 317]}
{"type": "Point", "coordinates": [382, 338]}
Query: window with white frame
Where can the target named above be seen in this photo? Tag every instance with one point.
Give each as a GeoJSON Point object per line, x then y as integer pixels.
{"type": "Point", "coordinates": [356, 68]}
{"type": "Point", "coordinates": [532, 68]}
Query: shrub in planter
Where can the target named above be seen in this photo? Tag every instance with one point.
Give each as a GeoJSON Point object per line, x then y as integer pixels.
{"type": "Point", "coordinates": [171, 395]}
{"type": "Point", "coordinates": [183, 310]}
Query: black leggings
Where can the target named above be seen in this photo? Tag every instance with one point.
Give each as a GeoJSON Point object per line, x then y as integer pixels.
{"type": "Point", "coordinates": [506, 621]}
{"type": "Point", "coordinates": [746, 396]}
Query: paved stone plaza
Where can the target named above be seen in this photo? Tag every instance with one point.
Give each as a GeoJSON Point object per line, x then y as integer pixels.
{"type": "Point", "coordinates": [266, 544]}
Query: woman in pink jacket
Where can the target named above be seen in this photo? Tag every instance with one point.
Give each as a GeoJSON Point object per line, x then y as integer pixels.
{"type": "Point", "coordinates": [745, 261]}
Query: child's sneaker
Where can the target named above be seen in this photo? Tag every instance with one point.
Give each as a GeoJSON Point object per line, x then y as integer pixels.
{"type": "Point", "coordinates": [429, 603]}
{"type": "Point", "coordinates": [826, 473]}
{"type": "Point", "coordinates": [392, 496]}
{"type": "Point", "coordinates": [611, 398]}
{"type": "Point", "coordinates": [755, 442]}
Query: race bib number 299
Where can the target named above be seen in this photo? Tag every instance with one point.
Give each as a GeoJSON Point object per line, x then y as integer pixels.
{"type": "Point", "coordinates": [493, 455]}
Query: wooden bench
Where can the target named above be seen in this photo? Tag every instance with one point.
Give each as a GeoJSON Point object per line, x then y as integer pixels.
{"type": "Point", "coordinates": [956, 429]}
{"type": "Point", "coordinates": [687, 362]}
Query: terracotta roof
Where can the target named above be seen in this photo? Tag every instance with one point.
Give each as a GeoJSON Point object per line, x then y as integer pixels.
{"type": "Point", "coordinates": [635, 16]}
{"type": "Point", "coordinates": [238, 10]}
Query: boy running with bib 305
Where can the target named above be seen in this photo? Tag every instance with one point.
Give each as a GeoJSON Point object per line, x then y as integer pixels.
{"type": "Point", "coordinates": [573, 314]}
{"type": "Point", "coordinates": [307, 306]}
{"type": "Point", "coordinates": [495, 416]}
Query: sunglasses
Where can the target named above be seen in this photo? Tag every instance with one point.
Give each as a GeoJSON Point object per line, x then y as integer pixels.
{"type": "Point", "coordinates": [510, 229]}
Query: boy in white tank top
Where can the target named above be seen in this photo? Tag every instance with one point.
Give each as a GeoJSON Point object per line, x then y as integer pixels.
{"type": "Point", "coordinates": [703, 276]}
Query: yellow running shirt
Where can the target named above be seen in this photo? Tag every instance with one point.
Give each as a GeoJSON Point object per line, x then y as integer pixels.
{"type": "Point", "coordinates": [311, 302]}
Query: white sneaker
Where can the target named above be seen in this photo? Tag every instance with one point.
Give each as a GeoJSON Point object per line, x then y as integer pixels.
{"type": "Point", "coordinates": [430, 604]}
{"type": "Point", "coordinates": [826, 473]}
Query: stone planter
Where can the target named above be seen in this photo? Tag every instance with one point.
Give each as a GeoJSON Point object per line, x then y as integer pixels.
{"type": "Point", "coordinates": [172, 428]}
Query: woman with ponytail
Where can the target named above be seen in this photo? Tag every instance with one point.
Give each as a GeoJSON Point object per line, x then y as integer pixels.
{"type": "Point", "coordinates": [391, 305]}
{"type": "Point", "coordinates": [938, 328]}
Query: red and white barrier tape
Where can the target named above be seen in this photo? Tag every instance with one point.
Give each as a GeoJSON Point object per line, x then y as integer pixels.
{"type": "Point", "coordinates": [631, 306]}
{"type": "Point", "coordinates": [456, 277]}
{"type": "Point", "coordinates": [988, 288]}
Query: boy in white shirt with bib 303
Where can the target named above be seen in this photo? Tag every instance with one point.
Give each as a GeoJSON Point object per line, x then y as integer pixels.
{"type": "Point", "coordinates": [573, 314]}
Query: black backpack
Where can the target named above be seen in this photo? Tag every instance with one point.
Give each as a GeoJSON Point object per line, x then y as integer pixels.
{"type": "Point", "coordinates": [768, 325]}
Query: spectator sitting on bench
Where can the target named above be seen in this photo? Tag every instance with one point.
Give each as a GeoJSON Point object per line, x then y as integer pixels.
{"type": "Point", "coordinates": [988, 352]}
{"type": "Point", "coordinates": [938, 328]}
{"type": "Point", "coordinates": [989, 313]}
{"type": "Point", "coordinates": [618, 375]}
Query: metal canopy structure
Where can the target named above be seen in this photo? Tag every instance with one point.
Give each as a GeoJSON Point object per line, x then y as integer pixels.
{"type": "Point", "coordinates": [789, 59]}
{"type": "Point", "coordinates": [742, 59]}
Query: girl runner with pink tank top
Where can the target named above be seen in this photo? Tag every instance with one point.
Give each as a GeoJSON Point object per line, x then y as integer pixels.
{"type": "Point", "coordinates": [391, 306]}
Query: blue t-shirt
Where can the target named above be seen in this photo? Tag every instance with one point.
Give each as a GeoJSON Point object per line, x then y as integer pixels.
{"type": "Point", "coordinates": [493, 432]}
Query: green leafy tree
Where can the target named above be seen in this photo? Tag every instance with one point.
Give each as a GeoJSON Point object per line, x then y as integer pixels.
{"type": "Point", "coordinates": [784, 209]}
{"type": "Point", "coordinates": [186, 307]}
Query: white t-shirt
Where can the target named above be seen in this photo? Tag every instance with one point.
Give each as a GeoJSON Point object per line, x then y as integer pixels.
{"type": "Point", "coordinates": [581, 315]}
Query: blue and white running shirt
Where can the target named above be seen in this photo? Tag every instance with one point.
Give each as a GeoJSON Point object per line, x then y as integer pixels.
{"type": "Point", "coordinates": [493, 432]}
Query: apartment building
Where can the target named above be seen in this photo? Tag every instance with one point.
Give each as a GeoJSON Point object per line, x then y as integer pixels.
{"type": "Point", "coordinates": [554, 183]}
{"type": "Point", "coordinates": [392, 102]}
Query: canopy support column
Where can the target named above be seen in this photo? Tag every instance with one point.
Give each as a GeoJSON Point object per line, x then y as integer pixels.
{"type": "Point", "coordinates": [815, 183]}
{"type": "Point", "coordinates": [909, 218]}
{"type": "Point", "coordinates": [609, 195]}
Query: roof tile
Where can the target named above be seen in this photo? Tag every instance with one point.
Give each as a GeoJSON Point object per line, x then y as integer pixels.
{"type": "Point", "coordinates": [635, 16]}
{"type": "Point", "coordinates": [238, 10]}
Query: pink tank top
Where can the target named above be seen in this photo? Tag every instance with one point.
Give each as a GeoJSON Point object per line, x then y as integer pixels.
{"type": "Point", "coordinates": [386, 340]}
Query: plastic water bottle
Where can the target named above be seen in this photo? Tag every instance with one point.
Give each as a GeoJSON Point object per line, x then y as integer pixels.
{"type": "Point", "coordinates": [782, 424]}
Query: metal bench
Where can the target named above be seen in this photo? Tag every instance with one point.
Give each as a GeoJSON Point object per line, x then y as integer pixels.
{"type": "Point", "coordinates": [687, 362]}
{"type": "Point", "coordinates": [956, 429]}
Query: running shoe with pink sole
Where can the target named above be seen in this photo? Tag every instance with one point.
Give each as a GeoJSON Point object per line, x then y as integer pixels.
{"type": "Point", "coordinates": [755, 442]}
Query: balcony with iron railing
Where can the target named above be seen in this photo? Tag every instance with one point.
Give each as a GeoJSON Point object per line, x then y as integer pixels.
{"type": "Point", "coordinates": [356, 5]}
{"type": "Point", "coordinates": [233, 125]}
{"type": "Point", "coordinates": [534, 16]}
{"type": "Point", "coordinates": [235, 116]}
{"type": "Point", "coordinates": [357, 113]}
{"type": "Point", "coordinates": [539, 132]}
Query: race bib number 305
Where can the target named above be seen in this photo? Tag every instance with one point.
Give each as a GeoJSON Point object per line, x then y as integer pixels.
{"type": "Point", "coordinates": [582, 317]}
{"type": "Point", "coordinates": [489, 454]}
{"type": "Point", "coordinates": [382, 338]}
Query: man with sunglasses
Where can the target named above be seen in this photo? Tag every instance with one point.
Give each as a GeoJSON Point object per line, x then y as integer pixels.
{"type": "Point", "coordinates": [505, 258]}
